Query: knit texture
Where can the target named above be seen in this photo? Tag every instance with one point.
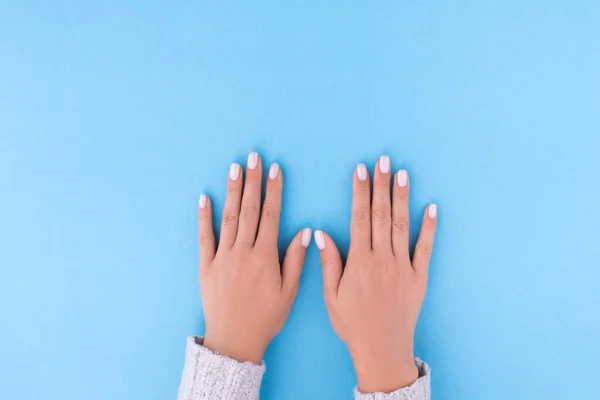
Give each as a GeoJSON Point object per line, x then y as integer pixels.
{"type": "Point", "coordinates": [211, 376]}
{"type": "Point", "coordinates": [420, 390]}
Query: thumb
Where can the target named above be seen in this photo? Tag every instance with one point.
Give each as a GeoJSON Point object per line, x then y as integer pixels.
{"type": "Point", "coordinates": [294, 260]}
{"type": "Point", "coordinates": [331, 264]}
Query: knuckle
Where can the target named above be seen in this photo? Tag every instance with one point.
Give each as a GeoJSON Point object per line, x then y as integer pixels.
{"type": "Point", "coordinates": [273, 188]}
{"type": "Point", "coordinates": [205, 238]}
{"type": "Point", "coordinates": [401, 194]}
{"type": "Point", "coordinates": [293, 289]}
{"type": "Point", "coordinates": [330, 301]}
{"type": "Point", "coordinates": [381, 212]}
{"type": "Point", "coordinates": [424, 249]}
{"type": "Point", "coordinates": [229, 218]}
{"type": "Point", "coordinates": [361, 215]}
{"type": "Point", "coordinates": [251, 177]}
{"type": "Point", "coordinates": [400, 225]}
{"type": "Point", "coordinates": [328, 262]}
{"type": "Point", "coordinates": [381, 181]}
{"type": "Point", "coordinates": [422, 278]}
{"type": "Point", "coordinates": [429, 227]}
{"type": "Point", "coordinates": [363, 189]}
{"type": "Point", "coordinates": [295, 257]}
{"type": "Point", "coordinates": [299, 257]}
{"type": "Point", "coordinates": [270, 212]}
{"type": "Point", "coordinates": [359, 240]}
{"type": "Point", "coordinates": [233, 188]}
{"type": "Point", "coordinates": [204, 216]}
{"type": "Point", "coordinates": [249, 209]}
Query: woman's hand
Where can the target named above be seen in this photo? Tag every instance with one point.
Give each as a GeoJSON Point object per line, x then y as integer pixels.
{"type": "Point", "coordinates": [245, 294]}
{"type": "Point", "coordinates": [375, 303]}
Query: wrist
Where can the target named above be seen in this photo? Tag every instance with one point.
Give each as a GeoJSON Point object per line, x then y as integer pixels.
{"type": "Point", "coordinates": [235, 348]}
{"type": "Point", "coordinates": [384, 371]}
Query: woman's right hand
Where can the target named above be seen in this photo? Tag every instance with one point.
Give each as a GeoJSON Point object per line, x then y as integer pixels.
{"type": "Point", "coordinates": [375, 302]}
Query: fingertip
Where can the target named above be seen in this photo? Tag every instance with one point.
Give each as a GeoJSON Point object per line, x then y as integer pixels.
{"type": "Point", "coordinates": [320, 239]}
{"type": "Point", "coordinates": [383, 164]}
{"type": "Point", "coordinates": [253, 168]}
{"type": "Point", "coordinates": [402, 178]}
{"type": "Point", "coordinates": [204, 207]}
{"type": "Point", "coordinates": [361, 178]}
{"type": "Point", "coordinates": [293, 262]}
{"type": "Point", "coordinates": [205, 230]}
{"type": "Point", "coordinates": [234, 171]}
{"type": "Point", "coordinates": [360, 222]}
{"type": "Point", "coordinates": [274, 171]}
{"type": "Point", "coordinates": [331, 264]}
{"type": "Point", "coordinates": [327, 248]}
{"type": "Point", "coordinates": [252, 161]}
{"type": "Point", "coordinates": [306, 237]}
{"type": "Point", "coordinates": [202, 201]}
{"type": "Point", "coordinates": [432, 211]}
{"type": "Point", "coordinates": [361, 172]}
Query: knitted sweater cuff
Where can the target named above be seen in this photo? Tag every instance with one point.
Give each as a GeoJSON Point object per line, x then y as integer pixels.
{"type": "Point", "coordinates": [208, 375]}
{"type": "Point", "coordinates": [419, 390]}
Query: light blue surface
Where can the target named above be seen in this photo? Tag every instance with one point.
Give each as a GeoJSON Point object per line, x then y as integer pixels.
{"type": "Point", "coordinates": [114, 117]}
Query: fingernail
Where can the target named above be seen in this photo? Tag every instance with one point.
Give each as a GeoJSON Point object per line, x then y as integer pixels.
{"type": "Point", "coordinates": [202, 201]}
{"type": "Point", "coordinates": [306, 234]}
{"type": "Point", "coordinates": [432, 211]}
{"type": "Point", "coordinates": [320, 240]}
{"type": "Point", "coordinates": [274, 171]}
{"type": "Point", "coordinates": [361, 172]}
{"type": "Point", "coordinates": [252, 160]}
{"type": "Point", "coordinates": [384, 164]}
{"type": "Point", "coordinates": [402, 178]}
{"type": "Point", "coordinates": [234, 172]}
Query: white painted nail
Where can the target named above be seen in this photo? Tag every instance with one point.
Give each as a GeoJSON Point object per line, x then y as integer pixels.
{"type": "Point", "coordinates": [402, 178]}
{"type": "Point", "coordinates": [432, 211]}
{"type": "Point", "coordinates": [202, 201]}
{"type": "Point", "coordinates": [274, 171]}
{"type": "Point", "coordinates": [384, 164]}
{"type": "Point", "coordinates": [252, 160]}
{"type": "Point", "coordinates": [320, 240]}
{"type": "Point", "coordinates": [306, 235]}
{"type": "Point", "coordinates": [234, 172]}
{"type": "Point", "coordinates": [361, 172]}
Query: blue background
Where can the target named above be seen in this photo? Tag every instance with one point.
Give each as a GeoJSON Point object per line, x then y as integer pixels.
{"type": "Point", "coordinates": [114, 117]}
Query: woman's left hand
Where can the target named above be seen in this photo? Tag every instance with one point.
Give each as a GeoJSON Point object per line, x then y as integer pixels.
{"type": "Point", "coordinates": [245, 294]}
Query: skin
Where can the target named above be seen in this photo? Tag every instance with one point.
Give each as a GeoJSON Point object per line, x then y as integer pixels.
{"type": "Point", "coordinates": [246, 294]}
{"type": "Point", "coordinates": [375, 300]}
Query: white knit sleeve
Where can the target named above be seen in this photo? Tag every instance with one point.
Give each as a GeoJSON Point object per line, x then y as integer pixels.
{"type": "Point", "coordinates": [208, 375]}
{"type": "Point", "coordinates": [419, 390]}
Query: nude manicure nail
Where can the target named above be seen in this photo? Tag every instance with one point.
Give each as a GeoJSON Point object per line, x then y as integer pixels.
{"type": "Point", "coordinates": [432, 211]}
{"type": "Point", "coordinates": [234, 172]}
{"type": "Point", "coordinates": [274, 171]}
{"type": "Point", "coordinates": [361, 172]}
{"type": "Point", "coordinates": [402, 178]}
{"type": "Point", "coordinates": [252, 160]}
{"type": "Point", "coordinates": [202, 201]}
{"type": "Point", "coordinates": [320, 240]}
{"type": "Point", "coordinates": [306, 234]}
{"type": "Point", "coordinates": [384, 164]}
